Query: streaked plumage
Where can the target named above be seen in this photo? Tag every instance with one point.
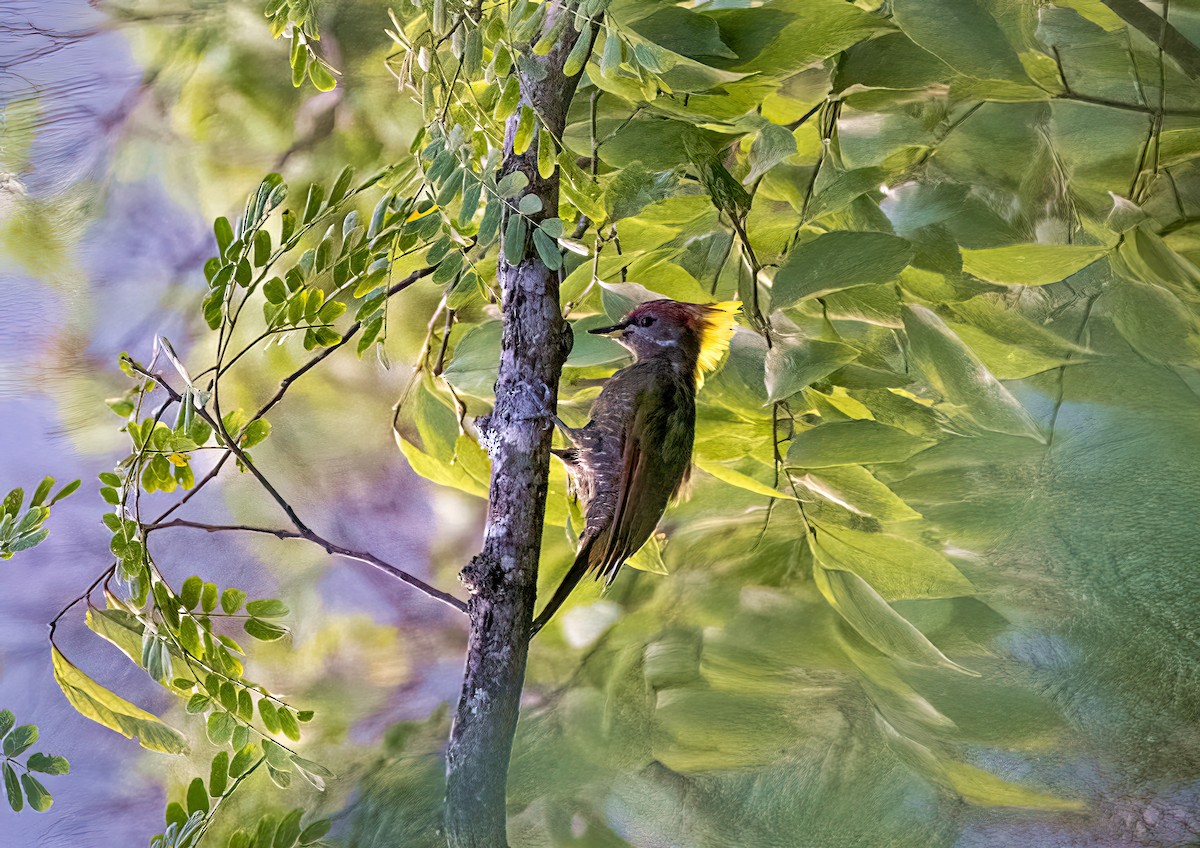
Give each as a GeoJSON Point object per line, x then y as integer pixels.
{"type": "Point", "coordinates": [635, 453]}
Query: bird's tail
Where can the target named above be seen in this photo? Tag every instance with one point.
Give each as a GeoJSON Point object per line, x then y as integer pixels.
{"type": "Point", "coordinates": [574, 575]}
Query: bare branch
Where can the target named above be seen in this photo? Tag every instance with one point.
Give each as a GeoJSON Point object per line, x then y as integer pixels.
{"type": "Point", "coordinates": [329, 547]}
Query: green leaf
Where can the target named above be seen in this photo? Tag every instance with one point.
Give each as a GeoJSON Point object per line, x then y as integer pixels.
{"type": "Point", "coordinates": [269, 713]}
{"type": "Point", "coordinates": [232, 600]}
{"type": "Point", "coordinates": [546, 154]}
{"type": "Point", "coordinates": [189, 637]}
{"type": "Point", "coordinates": [1029, 264]}
{"type": "Point", "coordinates": [20, 740]}
{"type": "Point", "coordinates": [856, 490]}
{"type": "Point", "coordinates": [289, 830]}
{"type": "Point", "coordinates": [223, 230]}
{"type": "Point", "coordinates": [280, 778]}
{"type": "Point", "coordinates": [47, 764]}
{"type": "Point", "coordinates": [795, 363]}
{"type": "Point", "coordinates": [862, 442]}
{"type": "Point", "coordinates": [310, 766]}
{"type": "Point", "coordinates": [523, 137]}
{"type": "Point", "coordinates": [93, 701]}
{"type": "Point", "coordinates": [771, 146]}
{"type": "Point", "coordinates": [529, 204]}
{"type": "Point", "coordinates": [871, 617]}
{"type": "Point", "coordinates": [218, 776]}
{"type": "Point", "coordinates": [262, 248]}
{"type": "Point", "coordinates": [42, 490]}
{"type": "Point", "coordinates": [512, 184]}
{"type": "Point", "coordinates": [39, 799]}
{"type": "Point", "coordinates": [12, 788]}
{"type": "Point", "coordinates": [547, 249]}
{"type": "Point", "coordinates": [220, 727]}
{"type": "Point", "coordinates": [736, 478]}
{"type": "Point", "coordinates": [288, 724]}
{"type": "Point", "coordinates": [7, 720]}
{"type": "Point", "coordinates": [321, 78]}
{"type": "Point", "coordinates": [896, 568]}
{"type": "Point", "coordinates": [277, 756]}
{"type": "Point", "coordinates": [514, 239]}
{"type": "Point", "coordinates": [315, 831]}
{"type": "Point", "coordinates": [1008, 343]}
{"type": "Point", "coordinates": [977, 786]}
{"type": "Point", "coordinates": [243, 759]}
{"type": "Point", "coordinates": [506, 103]}
{"type": "Point", "coordinates": [189, 593]}
{"type": "Point", "coordinates": [268, 608]}
{"type": "Point", "coordinates": [1154, 321]}
{"type": "Point", "coordinates": [197, 797]}
{"type": "Point", "coordinates": [963, 35]}
{"type": "Point", "coordinates": [840, 260]}
{"type": "Point", "coordinates": [256, 431]}
{"type": "Point", "coordinates": [65, 492]}
{"type": "Point", "coordinates": [208, 597]}
{"type": "Point", "coordinates": [971, 391]}
{"type": "Point", "coordinates": [13, 501]}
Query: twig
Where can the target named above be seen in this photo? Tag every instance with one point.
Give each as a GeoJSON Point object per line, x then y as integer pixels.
{"type": "Point", "coordinates": [304, 531]}
{"type": "Point", "coordinates": [323, 543]}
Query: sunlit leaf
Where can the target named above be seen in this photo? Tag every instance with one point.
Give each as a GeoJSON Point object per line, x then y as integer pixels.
{"type": "Point", "coordinates": [1029, 264]}
{"type": "Point", "coordinates": [93, 701]}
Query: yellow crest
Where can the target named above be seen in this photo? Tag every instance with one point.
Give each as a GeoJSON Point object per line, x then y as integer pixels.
{"type": "Point", "coordinates": [716, 329]}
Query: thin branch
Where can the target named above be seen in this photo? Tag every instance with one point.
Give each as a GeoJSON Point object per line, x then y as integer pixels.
{"type": "Point", "coordinates": [329, 547]}
{"type": "Point", "coordinates": [304, 531]}
{"type": "Point", "coordinates": [286, 384]}
{"type": "Point", "coordinates": [1128, 107]}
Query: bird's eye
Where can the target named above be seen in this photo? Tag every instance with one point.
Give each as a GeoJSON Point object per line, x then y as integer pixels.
{"type": "Point", "coordinates": [645, 320]}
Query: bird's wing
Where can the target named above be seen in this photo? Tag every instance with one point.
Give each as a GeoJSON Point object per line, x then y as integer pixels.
{"type": "Point", "coordinates": [640, 495]}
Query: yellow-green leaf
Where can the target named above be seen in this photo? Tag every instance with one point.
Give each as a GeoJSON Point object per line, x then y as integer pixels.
{"type": "Point", "coordinates": [107, 708]}
{"type": "Point", "coordinates": [1029, 264]}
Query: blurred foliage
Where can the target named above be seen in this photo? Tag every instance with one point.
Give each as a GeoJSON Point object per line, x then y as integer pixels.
{"type": "Point", "coordinates": [965, 232]}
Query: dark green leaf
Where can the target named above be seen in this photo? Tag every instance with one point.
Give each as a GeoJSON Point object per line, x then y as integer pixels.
{"type": "Point", "coordinates": [12, 788]}
{"type": "Point", "coordinates": [315, 831]}
{"type": "Point", "coordinates": [48, 764]}
{"type": "Point", "coordinates": [197, 797]}
{"type": "Point", "coordinates": [20, 740]}
{"type": "Point", "coordinates": [218, 776]}
{"type": "Point", "coordinates": [39, 799]}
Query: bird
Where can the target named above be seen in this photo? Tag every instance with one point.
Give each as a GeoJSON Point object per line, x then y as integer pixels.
{"type": "Point", "coordinates": [635, 454]}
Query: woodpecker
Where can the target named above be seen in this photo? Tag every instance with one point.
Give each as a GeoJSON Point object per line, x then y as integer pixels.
{"type": "Point", "coordinates": [635, 453]}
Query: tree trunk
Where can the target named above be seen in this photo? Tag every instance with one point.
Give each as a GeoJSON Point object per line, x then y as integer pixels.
{"type": "Point", "coordinates": [503, 577]}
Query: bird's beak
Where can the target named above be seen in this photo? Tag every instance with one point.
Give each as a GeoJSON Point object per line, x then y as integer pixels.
{"type": "Point", "coordinates": [604, 331]}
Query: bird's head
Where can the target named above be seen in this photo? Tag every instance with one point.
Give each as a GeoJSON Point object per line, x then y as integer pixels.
{"type": "Point", "coordinates": [697, 331]}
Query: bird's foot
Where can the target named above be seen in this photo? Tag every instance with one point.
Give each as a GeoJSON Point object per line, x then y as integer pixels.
{"type": "Point", "coordinates": [543, 400]}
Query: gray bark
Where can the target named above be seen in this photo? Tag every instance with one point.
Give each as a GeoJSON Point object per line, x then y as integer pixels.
{"type": "Point", "coordinates": [502, 578]}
